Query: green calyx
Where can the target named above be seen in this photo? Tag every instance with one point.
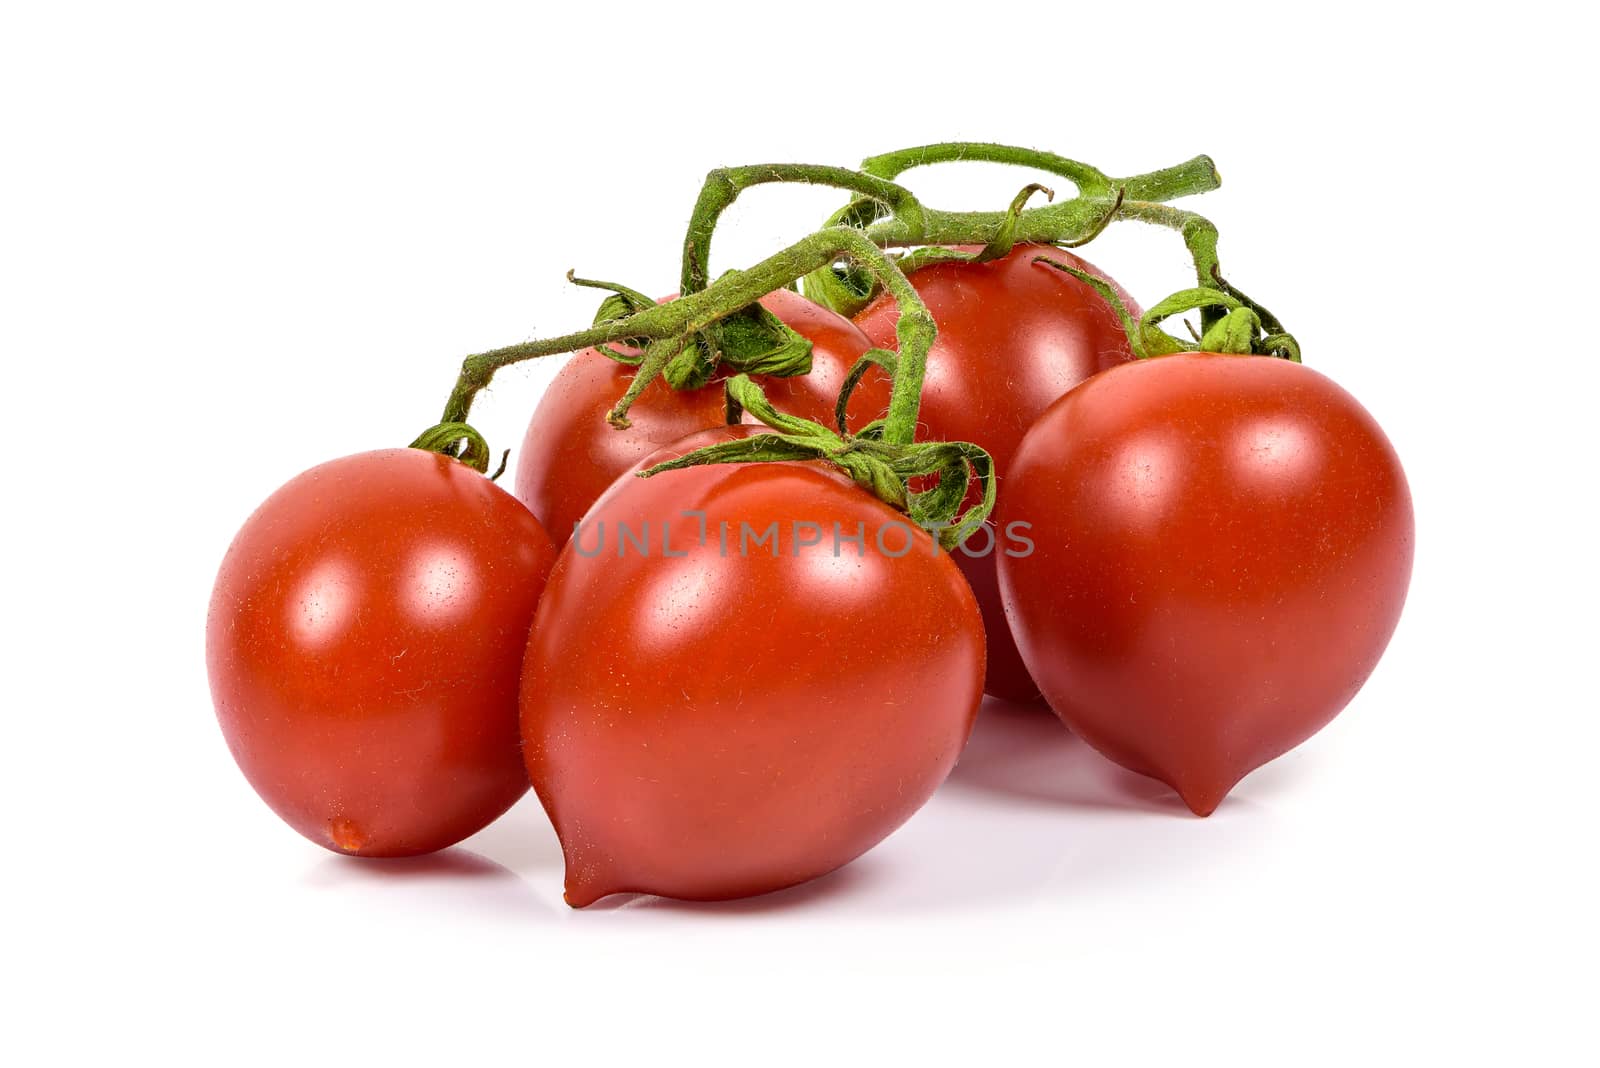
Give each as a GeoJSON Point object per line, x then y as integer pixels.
{"type": "Point", "coordinates": [846, 287]}
{"type": "Point", "coordinates": [1238, 326]}
{"type": "Point", "coordinates": [755, 341]}
{"type": "Point", "coordinates": [751, 339]}
{"type": "Point", "coordinates": [883, 468]}
{"type": "Point", "coordinates": [461, 442]}
{"type": "Point", "coordinates": [622, 303]}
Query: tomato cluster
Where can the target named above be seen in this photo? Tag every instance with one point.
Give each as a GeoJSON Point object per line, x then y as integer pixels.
{"type": "Point", "coordinates": [736, 622]}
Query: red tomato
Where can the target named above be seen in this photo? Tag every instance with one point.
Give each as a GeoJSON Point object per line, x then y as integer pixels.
{"type": "Point", "coordinates": [570, 454]}
{"type": "Point", "coordinates": [1013, 336]}
{"type": "Point", "coordinates": [723, 723]}
{"type": "Point", "coordinates": [364, 644]}
{"type": "Point", "coordinates": [1222, 549]}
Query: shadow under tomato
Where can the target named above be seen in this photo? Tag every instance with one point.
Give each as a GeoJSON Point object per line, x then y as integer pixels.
{"type": "Point", "coordinates": [1024, 753]}
{"type": "Point", "coordinates": [453, 878]}
{"type": "Point", "coordinates": [452, 863]}
{"type": "Point", "coordinates": [830, 889]}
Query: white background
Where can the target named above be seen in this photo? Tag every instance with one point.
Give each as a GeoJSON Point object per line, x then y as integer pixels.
{"type": "Point", "coordinates": [242, 239]}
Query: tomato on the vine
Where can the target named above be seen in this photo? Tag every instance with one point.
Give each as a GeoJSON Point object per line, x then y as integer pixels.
{"type": "Point", "coordinates": [1014, 335]}
{"type": "Point", "coordinates": [570, 454]}
{"type": "Point", "coordinates": [1222, 546]}
{"type": "Point", "coordinates": [721, 699]}
{"type": "Point", "coordinates": [364, 644]}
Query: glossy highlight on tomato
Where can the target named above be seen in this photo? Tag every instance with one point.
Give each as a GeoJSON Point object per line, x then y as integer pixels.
{"type": "Point", "coordinates": [1222, 549]}
{"type": "Point", "coordinates": [744, 716]}
{"type": "Point", "coordinates": [570, 454]}
{"type": "Point", "coordinates": [1014, 335]}
{"type": "Point", "coordinates": [364, 644]}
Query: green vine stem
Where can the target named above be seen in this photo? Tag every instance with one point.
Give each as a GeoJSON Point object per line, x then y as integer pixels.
{"type": "Point", "coordinates": [723, 186]}
{"type": "Point", "coordinates": [908, 222]}
{"type": "Point", "coordinates": [1199, 233]}
{"type": "Point", "coordinates": [883, 215]}
{"type": "Point", "coordinates": [666, 328]}
{"type": "Point", "coordinates": [1198, 175]}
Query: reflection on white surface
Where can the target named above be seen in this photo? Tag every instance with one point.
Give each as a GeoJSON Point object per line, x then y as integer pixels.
{"type": "Point", "coordinates": [457, 878]}
{"type": "Point", "coordinates": [1030, 813]}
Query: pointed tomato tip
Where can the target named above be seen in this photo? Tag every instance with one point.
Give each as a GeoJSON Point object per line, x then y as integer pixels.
{"type": "Point", "coordinates": [1203, 800]}
{"type": "Point", "coordinates": [590, 873]}
{"type": "Point", "coordinates": [578, 896]}
{"type": "Point", "coordinates": [586, 886]}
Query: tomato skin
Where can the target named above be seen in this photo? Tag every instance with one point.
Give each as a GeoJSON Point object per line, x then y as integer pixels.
{"type": "Point", "coordinates": [364, 644]}
{"type": "Point", "coordinates": [570, 454]}
{"type": "Point", "coordinates": [1014, 335]}
{"type": "Point", "coordinates": [1222, 550]}
{"type": "Point", "coordinates": [707, 726]}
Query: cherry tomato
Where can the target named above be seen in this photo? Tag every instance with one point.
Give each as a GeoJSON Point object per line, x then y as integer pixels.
{"type": "Point", "coordinates": [1222, 546]}
{"type": "Point", "coordinates": [1014, 335]}
{"type": "Point", "coordinates": [570, 454]}
{"type": "Point", "coordinates": [364, 644]}
{"type": "Point", "coordinates": [746, 715]}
